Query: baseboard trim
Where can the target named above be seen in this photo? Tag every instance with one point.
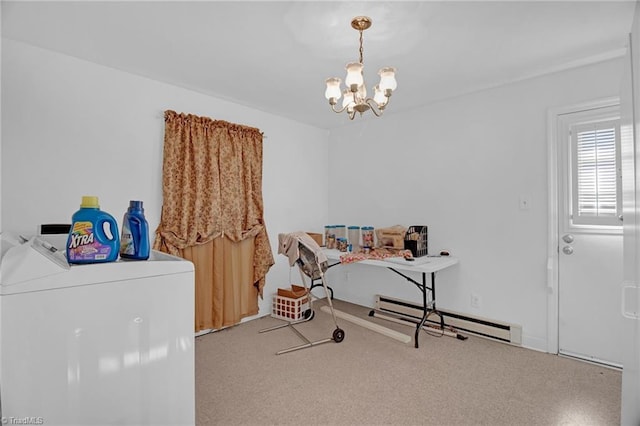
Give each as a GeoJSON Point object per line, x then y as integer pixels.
{"type": "Point", "coordinates": [497, 330]}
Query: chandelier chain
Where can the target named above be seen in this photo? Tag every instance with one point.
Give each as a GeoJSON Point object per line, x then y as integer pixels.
{"type": "Point", "coordinates": [361, 49]}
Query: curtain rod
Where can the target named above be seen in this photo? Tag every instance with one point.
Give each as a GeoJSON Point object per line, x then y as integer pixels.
{"type": "Point", "coordinates": [161, 115]}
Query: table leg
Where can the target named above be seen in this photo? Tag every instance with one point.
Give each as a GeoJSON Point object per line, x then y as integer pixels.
{"type": "Point", "coordinates": [425, 306]}
{"type": "Point", "coordinates": [425, 310]}
{"type": "Point", "coordinates": [433, 295]}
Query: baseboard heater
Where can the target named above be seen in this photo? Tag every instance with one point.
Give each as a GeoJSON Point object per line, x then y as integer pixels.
{"type": "Point", "coordinates": [502, 331]}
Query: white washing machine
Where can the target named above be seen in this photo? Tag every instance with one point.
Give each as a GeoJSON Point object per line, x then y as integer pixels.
{"type": "Point", "coordinates": [107, 343]}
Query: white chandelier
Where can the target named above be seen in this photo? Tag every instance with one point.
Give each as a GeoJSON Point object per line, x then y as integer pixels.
{"type": "Point", "coordinates": [355, 94]}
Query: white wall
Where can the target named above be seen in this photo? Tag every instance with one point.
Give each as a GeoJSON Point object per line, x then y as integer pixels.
{"type": "Point", "coordinates": [73, 128]}
{"type": "Point", "coordinates": [460, 167]}
{"type": "Point", "coordinates": [70, 127]}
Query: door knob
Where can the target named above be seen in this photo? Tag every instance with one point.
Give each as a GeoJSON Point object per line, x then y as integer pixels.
{"type": "Point", "coordinates": [567, 238]}
{"type": "Point", "coordinates": [567, 250]}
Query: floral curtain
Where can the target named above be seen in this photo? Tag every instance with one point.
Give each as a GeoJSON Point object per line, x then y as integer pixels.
{"type": "Point", "coordinates": [212, 190]}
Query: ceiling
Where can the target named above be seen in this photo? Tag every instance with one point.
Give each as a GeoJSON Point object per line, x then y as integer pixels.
{"type": "Point", "coordinates": [275, 56]}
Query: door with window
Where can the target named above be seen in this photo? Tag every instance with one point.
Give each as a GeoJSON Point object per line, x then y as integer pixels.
{"type": "Point", "coordinates": [590, 235]}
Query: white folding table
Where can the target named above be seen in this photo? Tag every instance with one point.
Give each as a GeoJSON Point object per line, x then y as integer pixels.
{"type": "Point", "coordinates": [421, 265]}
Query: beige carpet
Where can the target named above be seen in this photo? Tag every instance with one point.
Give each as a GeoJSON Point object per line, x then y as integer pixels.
{"type": "Point", "coordinates": [371, 379]}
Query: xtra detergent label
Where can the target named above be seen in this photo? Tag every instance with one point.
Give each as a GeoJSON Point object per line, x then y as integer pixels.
{"type": "Point", "coordinates": [126, 240]}
{"type": "Point", "coordinates": [83, 245]}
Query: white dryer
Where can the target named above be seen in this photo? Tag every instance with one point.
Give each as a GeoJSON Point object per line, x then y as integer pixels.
{"type": "Point", "coordinates": [108, 343]}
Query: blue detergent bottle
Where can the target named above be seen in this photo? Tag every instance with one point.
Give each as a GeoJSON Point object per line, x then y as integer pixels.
{"type": "Point", "coordinates": [135, 233]}
{"type": "Point", "coordinates": [93, 237]}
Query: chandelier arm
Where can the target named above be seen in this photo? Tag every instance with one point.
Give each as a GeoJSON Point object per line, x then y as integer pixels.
{"type": "Point", "coordinates": [333, 107]}
{"type": "Point", "coordinates": [374, 107]}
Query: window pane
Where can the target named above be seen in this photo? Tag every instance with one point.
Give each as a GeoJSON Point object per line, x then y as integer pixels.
{"type": "Point", "coordinates": [596, 173]}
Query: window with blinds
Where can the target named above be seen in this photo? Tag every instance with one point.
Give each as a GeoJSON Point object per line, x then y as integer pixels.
{"type": "Point", "coordinates": [596, 173]}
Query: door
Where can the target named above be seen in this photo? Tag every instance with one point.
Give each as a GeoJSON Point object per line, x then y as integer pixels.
{"type": "Point", "coordinates": [630, 114]}
{"type": "Point", "coordinates": [590, 234]}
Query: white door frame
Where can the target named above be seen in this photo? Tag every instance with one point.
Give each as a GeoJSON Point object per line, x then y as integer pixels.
{"type": "Point", "coordinates": [554, 215]}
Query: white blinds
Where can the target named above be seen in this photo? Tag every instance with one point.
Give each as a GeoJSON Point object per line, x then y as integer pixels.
{"type": "Point", "coordinates": [596, 184]}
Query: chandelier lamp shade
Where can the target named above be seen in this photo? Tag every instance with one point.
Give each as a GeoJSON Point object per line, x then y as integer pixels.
{"type": "Point", "coordinates": [354, 96]}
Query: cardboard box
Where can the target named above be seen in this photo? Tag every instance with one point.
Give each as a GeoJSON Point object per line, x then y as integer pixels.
{"type": "Point", "coordinates": [392, 237]}
{"type": "Point", "coordinates": [316, 237]}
